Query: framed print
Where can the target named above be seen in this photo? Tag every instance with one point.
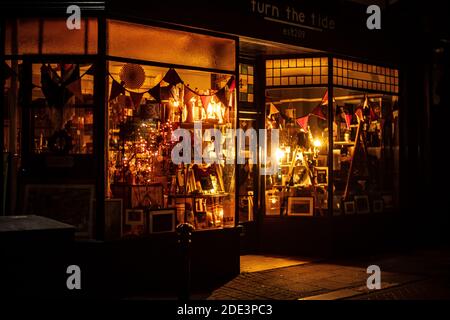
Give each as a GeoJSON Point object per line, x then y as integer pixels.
{"type": "Point", "coordinates": [113, 219]}
{"type": "Point", "coordinates": [300, 206]}
{"type": "Point", "coordinates": [362, 204]}
{"type": "Point", "coordinates": [134, 223]}
{"type": "Point", "coordinates": [134, 217]}
{"type": "Point", "coordinates": [377, 206]}
{"type": "Point", "coordinates": [160, 221]}
{"type": "Point", "coordinates": [273, 203]}
{"type": "Point", "coordinates": [388, 201]}
{"type": "Point", "coordinates": [349, 207]}
{"type": "Point", "coordinates": [321, 176]}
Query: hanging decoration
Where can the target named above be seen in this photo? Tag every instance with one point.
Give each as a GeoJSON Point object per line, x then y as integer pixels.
{"type": "Point", "coordinates": [317, 111]}
{"type": "Point", "coordinates": [136, 98]}
{"type": "Point", "coordinates": [172, 77]}
{"type": "Point", "coordinates": [348, 120]}
{"type": "Point", "coordinates": [75, 89]}
{"type": "Point", "coordinates": [160, 93]}
{"type": "Point", "coordinates": [116, 90]}
{"type": "Point", "coordinates": [303, 123]}
{"type": "Point", "coordinates": [132, 75]}
{"type": "Point", "coordinates": [7, 72]}
{"type": "Point", "coordinates": [273, 109]}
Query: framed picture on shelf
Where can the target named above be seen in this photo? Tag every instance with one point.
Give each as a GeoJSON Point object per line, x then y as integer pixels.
{"type": "Point", "coordinates": [273, 203]}
{"type": "Point", "coordinates": [377, 206]}
{"type": "Point", "coordinates": [349, 207]}
{"type": "Point", "coordinates": [321, 176]}
{"type": "Point", "coordinates": [161, 221]}
{"type": "Point", "coordinates": [362, 204]}
{"type": "Point", "coordinates": [134, 217]}
{"type": "Point", "coordinates": [300, 206]}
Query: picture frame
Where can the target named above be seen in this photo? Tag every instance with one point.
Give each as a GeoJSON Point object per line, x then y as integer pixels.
{"type": "Point", "coordinates": [362, 204]}
{"type": "Point", "coordinates": [161, 220]}
{"type": "Point", "coordinates": [377, 206]}
{"type": "Point", "coordinates": [349, 207]}
{"type": "Point", "coordinates": [134, 217]}
{"type": "Point", "coordinates": [273, 203]}
{"type": "Point", "coordinates": [113, 219]}
{"type": "Point", "coordinates": [300, 206]}
{"type": "Point", "coordinates": [69, 203]}
{"type": "Point", "coordinates": [321, 176]}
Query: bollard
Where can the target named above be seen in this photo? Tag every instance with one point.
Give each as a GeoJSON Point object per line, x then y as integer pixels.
{"type": "Point", "coordinates": [184, 232]}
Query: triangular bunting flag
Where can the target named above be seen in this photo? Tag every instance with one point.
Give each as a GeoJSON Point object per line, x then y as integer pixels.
{"type": "Point", "coordinates": [317, 111]}
{"type": "Point", "coordinates": [303, 123]}
{"type": "Point", "coordinates": [172, 77]}
{"type": "Point", "coordinates": [75, 88]}
{"type": "Point", "coordinates": [348, 120]}
{"type": "Point", "coordinates": [205, 101]}
{"type": "Point", "coordinates": [155, 92]}
{"type": "Point", "coordinates": [273, 110]}
{"type": "Point", "coordinates": [359, 114]}
{"type": "Point", "coordinates": [325, 99]}
{"type": "Point", "coordinates": [116, 90]}
{"type": "Point", "coordinates": [366, 102]}
{"type": "Point", "coordinates": [166, 93]}
{"type": "Point", "coordinates": [188, 95]}
{"type": "Point", "coordinates": [222, 96]}
{"type": "Point", "coordinates": [136, 98]}
{"type": "Point", "coordinates": [231, 84]}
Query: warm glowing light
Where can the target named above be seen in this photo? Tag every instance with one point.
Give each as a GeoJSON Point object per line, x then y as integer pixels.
{"type": "Point", "coordinates": [317, 143]}
{"type": "Point", "coordinates": [279, 154]}
{"type": "Point", "coordinates": [274, 200]}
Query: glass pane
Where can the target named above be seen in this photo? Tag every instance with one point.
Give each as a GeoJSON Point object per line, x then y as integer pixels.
{"type": "Point", "coordinates": [62, 109]}
{"type": "Point", "coordinates": [170, 46]}
{"type": "Point", "coordinates": [141, 138]}
{"type": "Point", "coordinates": [299, 186]}
{"type": "Point", "coordinates": [365, 152]}
{"type": "Point", "coordinates": [57, 38]}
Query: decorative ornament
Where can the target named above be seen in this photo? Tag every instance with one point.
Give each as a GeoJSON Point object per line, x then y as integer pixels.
{"type": "Point", "coordinates": [132, 75]}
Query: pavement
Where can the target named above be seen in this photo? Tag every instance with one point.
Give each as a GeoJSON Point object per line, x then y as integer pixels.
{"type": "Point", "coordinates": [418, 275]}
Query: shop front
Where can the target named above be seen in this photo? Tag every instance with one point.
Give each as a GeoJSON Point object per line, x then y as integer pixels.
{"type": "Point", "coordinates": [94, 119]}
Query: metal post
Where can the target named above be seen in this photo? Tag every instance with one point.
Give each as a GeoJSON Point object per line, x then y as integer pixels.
{"type": "Point", "coordinates": [184, 232]}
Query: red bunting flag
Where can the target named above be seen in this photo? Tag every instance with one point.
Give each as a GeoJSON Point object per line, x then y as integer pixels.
{"type": "Point", "coordinates": [317, 111]}
{"type": "Point", "coordinates": [348, 120]}
{"type": "Point", "coordinates": [231, 84]}
{"type": "Point", "coordinates": [325, 99]}
{"type": "Point", "coordinates": [155, 92]}
{"type": "Point", "coordinates": [359, 114]}
{"type": "Point", "coordinates": [188, 95]}
{"type": "Point", "coordinates": [205, 101]}
{"type": "Point", "coordinates": [172, 77]}
{"type": "Point", "coordinates": [303, 123]}
{"type": "Point", "coordinates": [116, 90]}
{"type": "Point", "coordinates": [166, 93]}
{"type": "Point", "coordinates": [136, 98]}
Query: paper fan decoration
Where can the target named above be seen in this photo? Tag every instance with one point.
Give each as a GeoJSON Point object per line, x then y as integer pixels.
{"type": "Point", "coordinates": [132, 75]}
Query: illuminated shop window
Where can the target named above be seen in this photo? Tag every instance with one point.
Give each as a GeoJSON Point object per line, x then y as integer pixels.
{"type": "Point", "coordinates": [246, 83]}
{"type": "Point", "coordinates": [364, 76]}
{"type": "Point", "coordinates": [295, 72]}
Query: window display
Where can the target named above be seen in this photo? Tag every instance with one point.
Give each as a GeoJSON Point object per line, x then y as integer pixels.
{"type": "Point", "coordinates": [147, 104]}
{"type": "Point", "coordinates": [363, 161]}
{"type": "Point", "coordinates": [62, 110]}
{"type": "Point", "coordinates": [300, 116]}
